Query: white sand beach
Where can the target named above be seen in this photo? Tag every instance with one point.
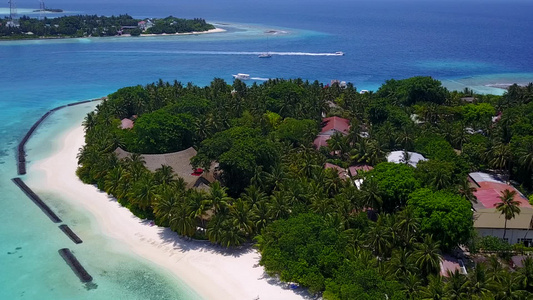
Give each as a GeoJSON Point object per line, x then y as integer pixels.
{"type": "Point", "coordinates": [211, 271]}
{"type": "Point", "coordinates": [216, 30]}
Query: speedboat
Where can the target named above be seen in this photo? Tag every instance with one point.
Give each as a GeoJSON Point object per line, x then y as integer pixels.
{"type": "Point", "coordinates": [265, 55]}
{"type": "Point", "coordinates": [339, 53]}
{"type": "Point", "coordinates": [241, 76]}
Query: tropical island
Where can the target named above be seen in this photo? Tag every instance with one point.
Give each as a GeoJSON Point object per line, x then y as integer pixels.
{"type": "Point", "coordinates": [98, 26]}
{"type": "Point", "coordinates": [411, 192]}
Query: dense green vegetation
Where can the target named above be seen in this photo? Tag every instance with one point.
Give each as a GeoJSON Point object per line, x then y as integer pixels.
{"type": "Point", "coordinates": [93, 26]}
{"type": "Point", "coordinates": [383, 240]}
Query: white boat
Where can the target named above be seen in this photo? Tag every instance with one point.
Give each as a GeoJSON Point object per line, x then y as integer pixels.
{"type": "Point", "coordinates": [265, 55]}
{"type": "Point", "coordinates": [339, 53]}
{"type": "Point", "coordinates": [241, 76]}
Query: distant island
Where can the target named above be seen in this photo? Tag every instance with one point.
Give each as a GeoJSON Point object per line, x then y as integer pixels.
{"type": "Point", "coordinates": [54, 10]}
{"type": "Point", "coordinates": [97, 26]}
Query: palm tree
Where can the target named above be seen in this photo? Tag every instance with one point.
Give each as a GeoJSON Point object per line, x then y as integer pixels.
{"type": "Point", "coordinates": [434, 290]}
{"type": "Point", "coordinates": [337, 144]}
{"type": "Point", "coordinates": [217, 198]}
{"type": "Point", "coordinates": [164, 202]}
{"type": "Point", "coordinates": [242, 219]}
{"type": "Point", "coordinates": [508, 287]}
{"type": "Point", "coordinates": [406, 139]}
{"type": "Point", "coordinates": [406, 157]}
{"type": "Point", "coordinates": [501, 156]}
{"type": "Point", "coordinates": [525, 155]}
{"type": "Point", "coordinates": [407, 225]}
{"type": "Point", "coordinates": [196, 202]}
{"type": "Point", "coordinates": [231, 236]}
{"type": "Point", "coordinates": [456, 286]}
{"type": "Point", "coordinates": [260, 216]}
{"type": "Point", "coordinates": [527, 274]}
{"type": "Point", "coordinates": [441, 180]}
{"type": "Point", "coordinates": [478, 283]}
{"type": "Point", "coordinates": [279, 206]}
{"type": "Point", "coordinates": [143, 192]}
{"type": "Point", "coordinates": [427, 256]}
{"type": "Point", "coordinates": [401, 264]}
{"type": "Point", "coordinates": [275, 177]}
{"type": "Point", "coordinates": [252, 194]}
{"type": "Point", "coordinates": [181, 220]}
{"type": "Point", "coordinates": [164, 175]}
{"type": "Point", "coordinates": [375, 153]}
{"type": "Point", "coordinates": [466, 190]}
{"type": "Point", "coordinates": [508, 207]}
{"type": "Point", "coordinates": [215, 228]}
{"type": "Point", "coordinates": [411, 285]}
{"type": "Point", "coordinates": [371, 195]}
{"type": "Point", "coordinates": [495, 269]}
{"type": "Point", "coordinates": [112, 181]}
{"type": "Point", "coordinates": [89, 121]}
{"type": "Point", "coordinates": [379, 238]}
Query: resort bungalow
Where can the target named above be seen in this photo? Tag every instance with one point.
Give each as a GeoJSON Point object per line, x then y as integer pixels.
{"type": "Point", "coordinates": [181, 165]}
{"type": "Point", "coordinates": [330, 126]}
{"type": "Point", "coordinates": [489, 221]}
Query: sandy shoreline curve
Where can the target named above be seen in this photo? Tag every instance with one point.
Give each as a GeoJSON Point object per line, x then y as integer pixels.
{"type": "Point", "coordinates": [216, 30]}
{"type": "Point", "coordinates": [210, 271]}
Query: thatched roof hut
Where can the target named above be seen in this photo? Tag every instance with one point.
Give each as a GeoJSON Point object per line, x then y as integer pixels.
{"type": "Point", "coordinates": [180, 163]}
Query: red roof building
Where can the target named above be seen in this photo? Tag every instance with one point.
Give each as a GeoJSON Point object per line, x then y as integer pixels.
{"type": "Point", "coordinates": [330, 126]}
{"type": "Point", "coordinates": [335, 124]}
{"type": "Point", "coordinates": [489, 189]}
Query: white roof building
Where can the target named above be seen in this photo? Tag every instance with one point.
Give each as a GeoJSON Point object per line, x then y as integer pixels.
{"type": "Point", "coordinates": [398, 157]}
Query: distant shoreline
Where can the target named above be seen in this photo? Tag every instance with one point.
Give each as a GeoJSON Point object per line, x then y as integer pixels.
{"type": "Point", "coordinates": [31, 38]}
{"type": "Point", "coordinates": [216, 30]}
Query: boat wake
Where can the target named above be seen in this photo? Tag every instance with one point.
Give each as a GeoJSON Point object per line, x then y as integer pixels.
{"type": "Point", "coordinates": [259, 78]}
{"type": "Point", "coordinates": [231, 53]}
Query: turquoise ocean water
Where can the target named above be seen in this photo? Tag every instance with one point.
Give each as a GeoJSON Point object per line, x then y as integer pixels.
{"type": "Point", "coordinates": [463, 43]}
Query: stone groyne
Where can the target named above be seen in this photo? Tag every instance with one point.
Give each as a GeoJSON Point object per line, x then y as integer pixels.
{"type": "Point", "coordinates": [37, 200]}
{"type": "Point", "coordinates": [75, 265]}
{"type": "Point", "coordinates": [21, 152]}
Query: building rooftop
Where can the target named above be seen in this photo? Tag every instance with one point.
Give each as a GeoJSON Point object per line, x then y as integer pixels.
{"type": "Point", "coordinates": [179, 161]}
{"type": "Point", "coordinates": [336, 124]}
{"type": "Point", "coordinates": [321, 141]}
{"type": "Point", "coordinates": [354, 170]}
{"type": "Point", "coordinates": [449, 263]}
{"type": "Point", "coordinates": [490, 188]}
{"type": "Point", "coordinates": [398, 156]}
{"type": "Point", "coordinates": [126, 123]}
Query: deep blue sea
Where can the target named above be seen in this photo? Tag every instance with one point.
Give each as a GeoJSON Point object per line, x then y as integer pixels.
{"type": "Point", "coordinates": [464, 43]}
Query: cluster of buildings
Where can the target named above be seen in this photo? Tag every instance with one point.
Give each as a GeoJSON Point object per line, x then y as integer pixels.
{"type": "Point", "coordinates": [488, 189]}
